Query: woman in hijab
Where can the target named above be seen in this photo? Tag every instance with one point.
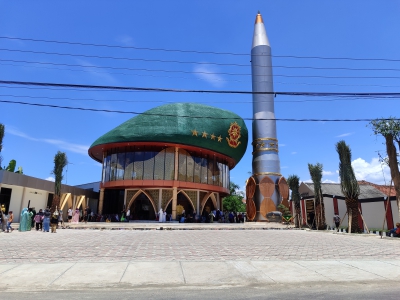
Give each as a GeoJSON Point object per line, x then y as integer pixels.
{"type": "Point", "coordinates": [46, 220]}
{"type": "Point", "coordinates": [30, 216]}
{"type": "Point", "coordinates": [75, 217]}
{"type": "Point", "coordinates": [23, 223]}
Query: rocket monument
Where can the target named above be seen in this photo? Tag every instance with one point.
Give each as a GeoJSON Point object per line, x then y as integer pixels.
{"type": "Point", "coordinates": [266, 187]}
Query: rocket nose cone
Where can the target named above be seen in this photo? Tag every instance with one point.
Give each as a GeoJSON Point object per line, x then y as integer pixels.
{"type": "Point", "coordinates": [260, 35]}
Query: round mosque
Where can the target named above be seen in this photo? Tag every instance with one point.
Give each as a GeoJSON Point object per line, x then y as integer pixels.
{"type": "Point", "coordinates": [173, 157]}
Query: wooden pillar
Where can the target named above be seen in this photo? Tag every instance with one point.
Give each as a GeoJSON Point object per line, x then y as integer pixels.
{"type": "Point", "coordinates": [101, 200]}
{"type": "Point", "coordinates": [174, 202]}
{"type": "Point", "coordinates": [176, 169]}
{"type": "Point", "coordinates": [159, 199]}
{"type": "Point", "coordinates": [198, 202]}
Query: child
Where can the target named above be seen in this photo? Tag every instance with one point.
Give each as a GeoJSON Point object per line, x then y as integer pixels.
{"type": "Point", "coordinates": [9, 221]}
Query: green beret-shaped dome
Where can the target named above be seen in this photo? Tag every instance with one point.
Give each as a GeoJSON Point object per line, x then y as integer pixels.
{"type": "Point", "coordinates": [185, 123]}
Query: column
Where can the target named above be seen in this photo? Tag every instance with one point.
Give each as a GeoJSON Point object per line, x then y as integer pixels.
{"type": "Point", "coordinates": [125, 195]}
{"type": "Point", "coordinates": [198, 203]}
{"type": "Point", "coordinates": [176, 163]}
{"type": "Point", "coordinates": [174, 202]}
{"type": "Point", "coordinates": [101, 200]}
{"type": "Point", "coordinates": [159, 199]}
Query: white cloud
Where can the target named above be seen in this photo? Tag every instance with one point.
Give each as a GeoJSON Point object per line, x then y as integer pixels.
{"type": "Point", "coordinates": [281, 145]}
{"type": "Point", "coordinates": [207, 73]}
{"type": "Point", "coordinates": [81, 149]}
{"type": "Point", "coordinates": [327, 173]}
{"type": "Point", "coordinates": [345, 134]}
{"type": "Point", "coordinates": [371, 171]}
{"type": "Point", "coordinates": [284, 167]}
{"type": "Point", "coordinates": [97, 71]}
{"type": "Point", "coordinates": [50, 178]}
{"type": "Point", "coordinates": [294, 153]}
{"type": "Point", "coordinates": [329, 181]}
{"type": "Point", "coordinates": [125, 40]}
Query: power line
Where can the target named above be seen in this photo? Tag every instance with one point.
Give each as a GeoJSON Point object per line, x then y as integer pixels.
{"type": "Point", "coordinates": [191, 78]}
{"type": "Point", "coordinates": [130, 88]}
{"type": "Point", "coordinates": [160, 101]}
{"type": "Point", "coordinates": [192, 51]}
{"type": "Point", "coordinates": [200, 72]}
{"type": "Point", "coordinates": [186, 116]}
{"type": "Point", "coordinates": [195, 62]}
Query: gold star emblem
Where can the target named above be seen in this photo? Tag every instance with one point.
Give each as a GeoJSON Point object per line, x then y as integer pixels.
{"type": "Point", "coordinates": [220, 139]}
{"type": "Point", "coordinates": [213, 136]}
{"type": "Point", "coordinates": [194, 132]}
{"type": "Point", "coordinates": [204, 134]}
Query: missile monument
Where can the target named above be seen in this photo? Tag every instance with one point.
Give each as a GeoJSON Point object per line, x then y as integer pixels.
{"type": "Point", "coordinates": [266, 188]}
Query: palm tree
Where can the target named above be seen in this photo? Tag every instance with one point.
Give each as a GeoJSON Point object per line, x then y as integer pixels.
{"type": "Point", "coordinates": [348, 185]}
{"type": "Point", "coordinates": [1, 141]}
{"type": "Point", "coordinates": [60, 161]}
{"type": "Point", "coordinates": [293, 182]}
{"type": "Point", "coordinates": [316, 177]}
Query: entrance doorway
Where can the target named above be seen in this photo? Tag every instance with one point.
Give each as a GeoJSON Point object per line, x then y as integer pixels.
{"type": "Point", "coordinates": [208, 207]}
{"type": "Point", "coordinates": [183, 201]}
{"type": "Point", "coordinates": [142, 209]}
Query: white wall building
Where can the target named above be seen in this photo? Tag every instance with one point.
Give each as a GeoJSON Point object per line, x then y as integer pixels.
{"type": "Point", "coordinates": [17, 190]}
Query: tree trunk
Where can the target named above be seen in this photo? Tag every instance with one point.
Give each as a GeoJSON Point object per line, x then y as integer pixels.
{"type": "Point", "coordinates": [298, 214]}
{"type": "Point", "coordinates": [352, 209]}
{"type": "Point", "coordinates": [394, 167]}
{"type": "Point", "coordinates": [55, 203]}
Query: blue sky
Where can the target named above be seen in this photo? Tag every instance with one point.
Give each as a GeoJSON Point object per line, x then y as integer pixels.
{"type": "Point", "coordinates": [331, 29]}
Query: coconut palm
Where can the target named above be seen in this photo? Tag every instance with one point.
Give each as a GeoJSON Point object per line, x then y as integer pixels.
{"type": "Point", "coordinates": [60, 161]}
{"type": "Point", "coordinates": [293, 182]}
{"type": "Point", "coordinates": [316, 177]}
{"type": "Point", "coordinates": [348, 184]}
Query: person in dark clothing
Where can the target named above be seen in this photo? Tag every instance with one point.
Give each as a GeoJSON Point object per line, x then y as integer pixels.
{"type": "Point", "coordinates": [54, 222]}
{"type": "Point", "coordinates": [312, 220]}
{"type": "Point", "coordinates": [33, 216]}
{"type": "Point", "coordinates": [39, 220]}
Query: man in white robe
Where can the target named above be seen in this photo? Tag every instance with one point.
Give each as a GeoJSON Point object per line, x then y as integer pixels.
{"type": "Point", "coordinates": [161, 216]}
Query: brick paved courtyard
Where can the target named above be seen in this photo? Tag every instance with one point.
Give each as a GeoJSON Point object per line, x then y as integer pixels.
{"type": "Point", "coordinates": [191, 245]}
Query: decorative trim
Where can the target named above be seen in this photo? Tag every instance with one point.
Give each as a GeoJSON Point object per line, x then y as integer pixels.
{"type": "Point", "coordinates": [265, 149]}
{"type": "Point", "coordinates": [267, 173]}
{"type": "Point", "coordinates": [264, 139]}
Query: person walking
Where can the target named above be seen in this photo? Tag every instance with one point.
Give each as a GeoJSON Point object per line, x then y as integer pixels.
{"type": "Point", "coordinates": [10, 219]}
{"type": "Point", "coordinates": [54, 222]}
{"type": "Point", "coordinates": [46, 220]}
{"type": "Point", "coordinates": [70, 215]}
{"type": "Point", "coordinates": [33, 217]}
{"type": "Point", "coordinates": [39, 220]}
{"type": "Point", "coordinates": [128, 215]}
{"type": "Point", "coordinates": [336, 219]}
{"type": "Point", "coordinates": [3, 218]}
{"type": "Point", "coordinates": [24, 220]}
{"type": "Point", "coordinates": [60, 218]}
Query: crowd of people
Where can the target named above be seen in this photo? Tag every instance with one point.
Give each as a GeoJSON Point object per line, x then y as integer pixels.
{"type": "Point", "coordinates": [47, 221]}
{"type": "Point", "coordinates": [206, 217]}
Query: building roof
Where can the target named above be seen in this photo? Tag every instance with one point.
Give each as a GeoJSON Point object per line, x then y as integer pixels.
{"type": "Point", "coordinates": [22, 180]}
{"type": "Point", "coordinates": [383, 188]}
{"type": "Point", "coordinates": [366, 191]}
{"type": "Point", "coordinates": [183, 123]}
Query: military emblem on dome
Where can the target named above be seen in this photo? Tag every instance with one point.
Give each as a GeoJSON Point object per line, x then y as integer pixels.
{"type": "Point", "coordinates": [234, 135]}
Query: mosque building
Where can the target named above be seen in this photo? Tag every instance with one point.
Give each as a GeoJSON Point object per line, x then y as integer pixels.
{"type": "Point", "coordinates": [172, 157]}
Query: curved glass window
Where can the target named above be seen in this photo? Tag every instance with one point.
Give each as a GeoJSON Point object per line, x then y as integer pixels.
{"type": "Point", "coordinates": [151, 163]}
